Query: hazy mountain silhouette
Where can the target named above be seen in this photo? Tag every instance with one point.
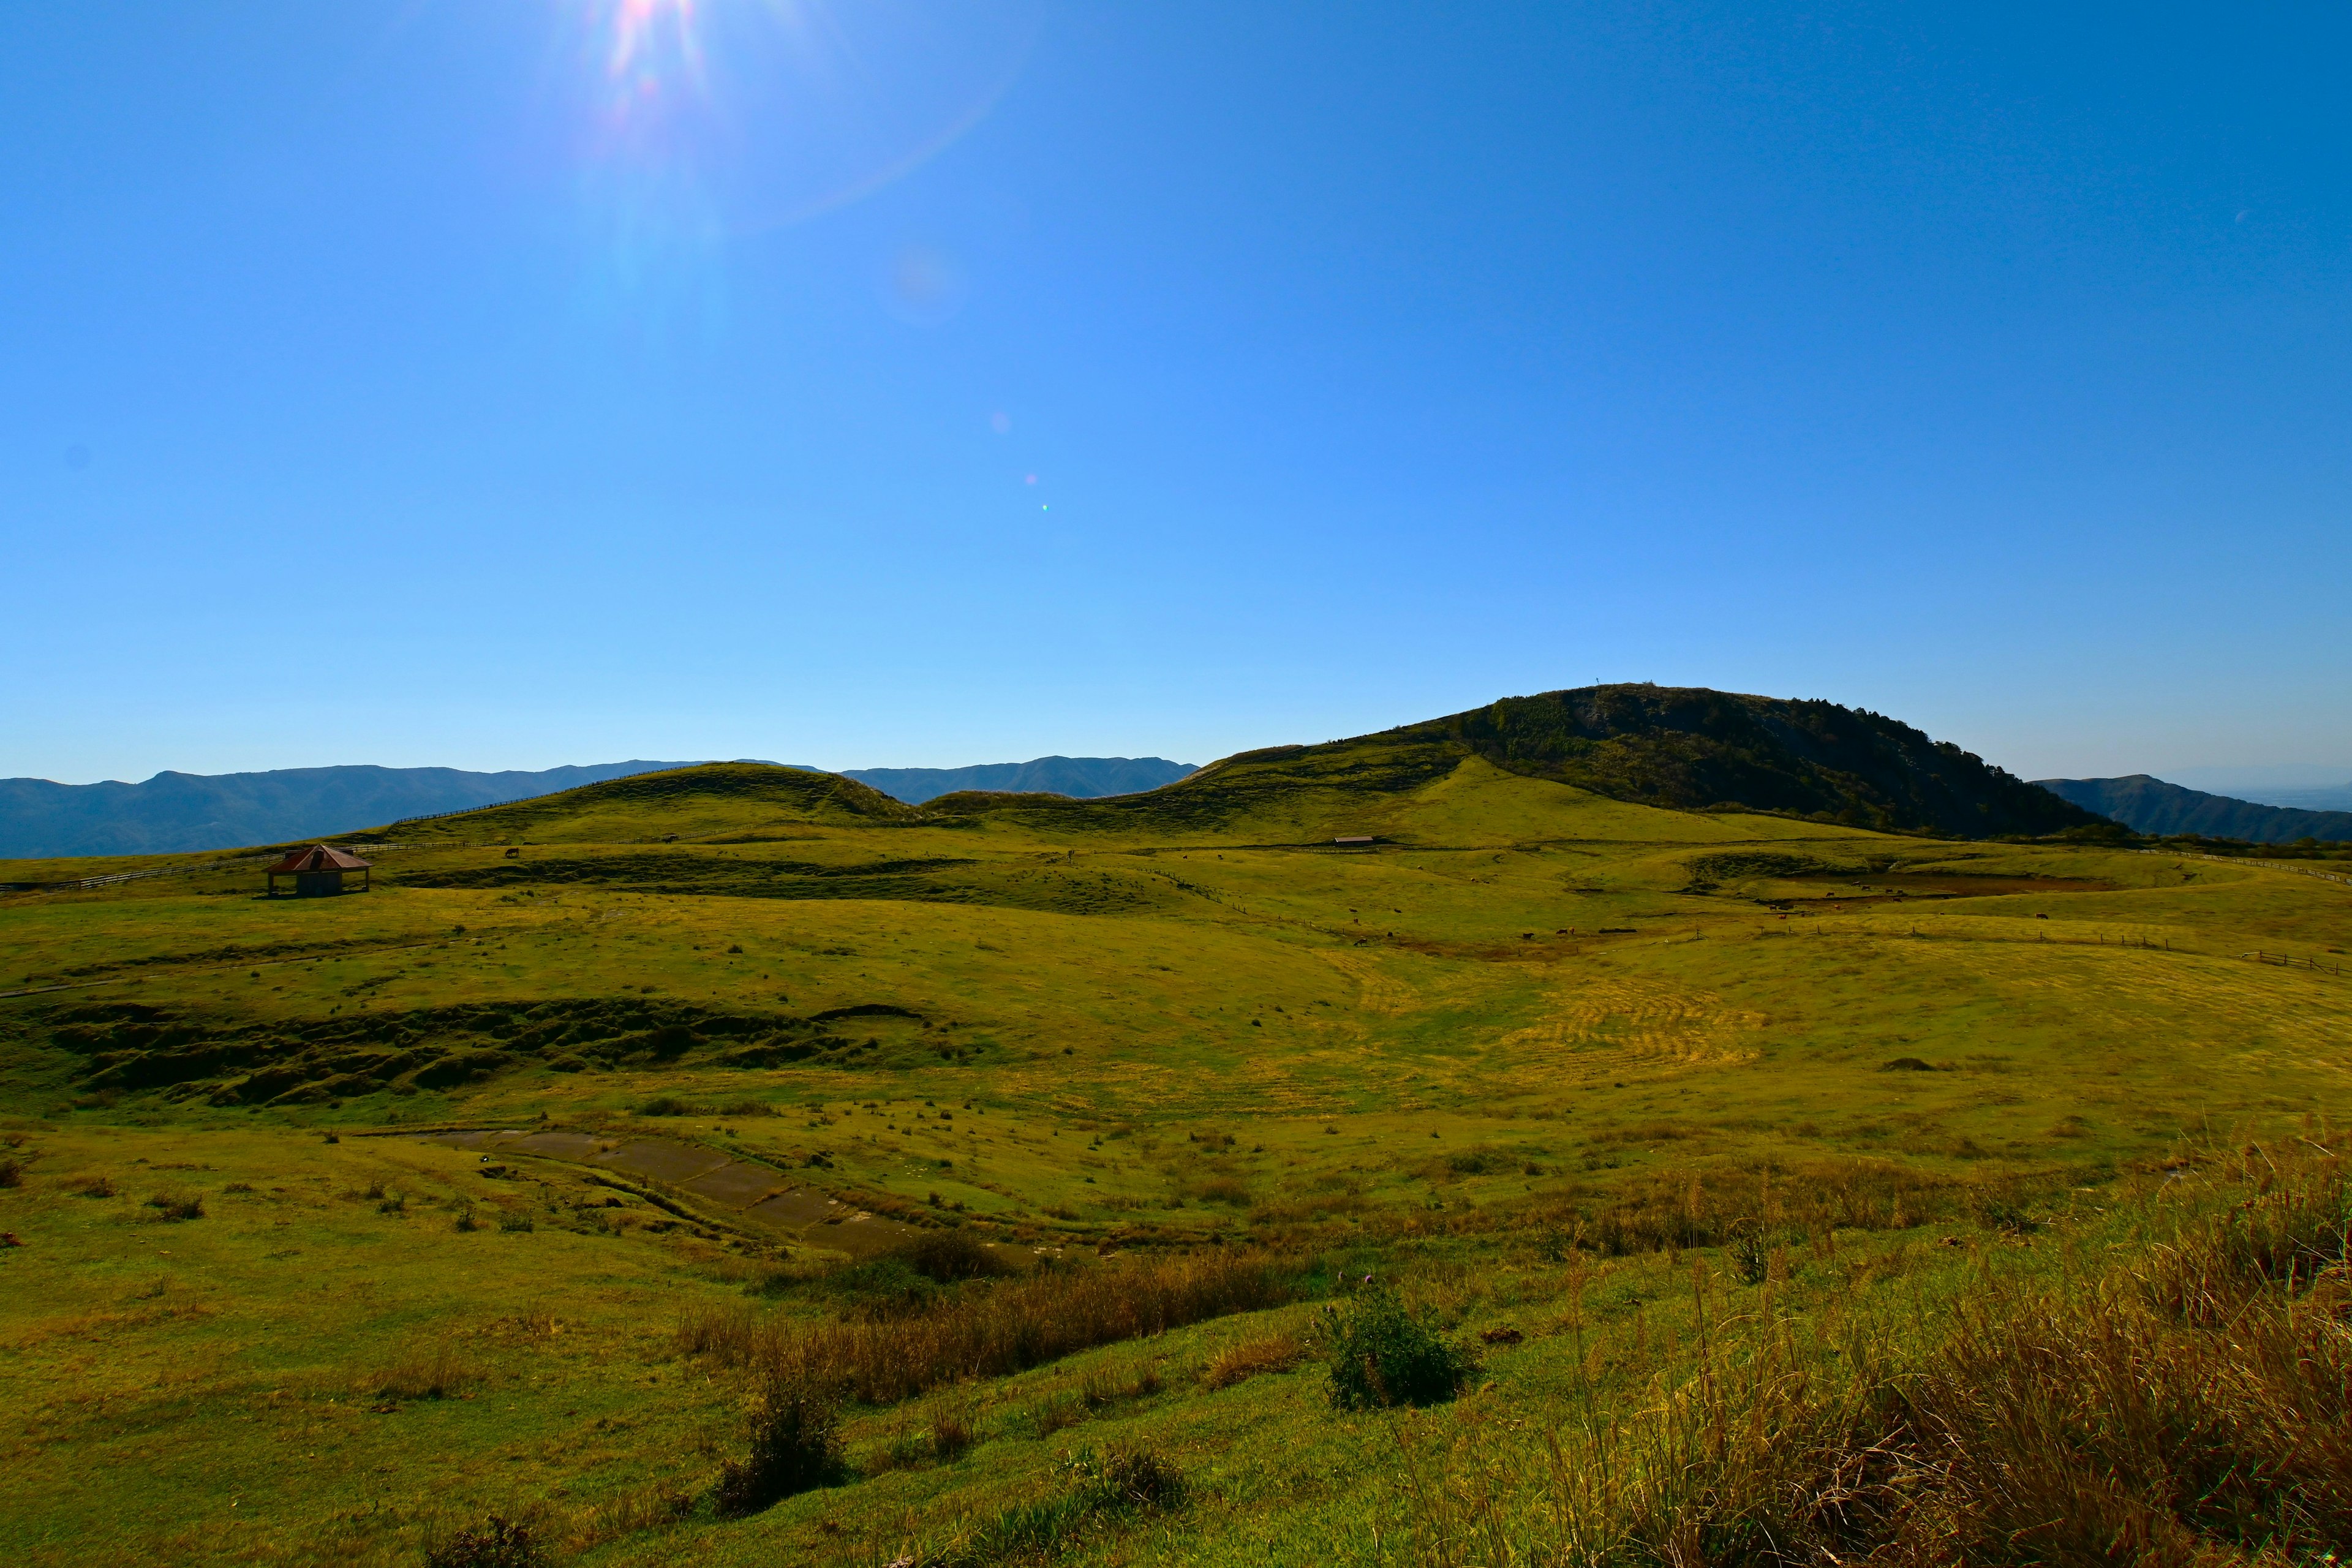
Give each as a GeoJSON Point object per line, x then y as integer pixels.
{"type": "Point", "coordinates": [2148, 804]}
{"type": "Point", "coordinates": [174, 813]}
{"type": "Point", "coordinates": [1083, 778]}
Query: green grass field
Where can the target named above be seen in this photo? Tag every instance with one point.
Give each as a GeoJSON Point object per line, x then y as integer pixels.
{"type": "Point", "coordinates": [1545, 1060]}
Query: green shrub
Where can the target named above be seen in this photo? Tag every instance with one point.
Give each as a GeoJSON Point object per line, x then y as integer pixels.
{"type": "Point", "coordinates": [795, 1447]}
{"type": "Point", "coordinates": [667, 1105]}
{"type": "Point", "coordinates": [1380, 1354]}
{"type": "Point", "coordinates": [494, 1543]}
{"type": "Point", "coordinates": [876, 1291]}
{"type": "Point", "coordinates": [12, 1173]}
{"type": "Point", "coordinates": [174, 1207]}
{"type": "Point", "coordinates": [948, 1256]}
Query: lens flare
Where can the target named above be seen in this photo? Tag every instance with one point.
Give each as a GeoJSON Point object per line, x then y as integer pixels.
{"type": "Point", "coordinates": [638, 25]}
{"type": "Point", "coordinates": [737, 115]}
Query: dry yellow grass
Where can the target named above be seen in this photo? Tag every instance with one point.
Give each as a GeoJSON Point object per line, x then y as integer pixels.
{"type": "Point", "coordinates": [1239, 1363]}
{"type": "Point", "coordinates": [1011, 1326]}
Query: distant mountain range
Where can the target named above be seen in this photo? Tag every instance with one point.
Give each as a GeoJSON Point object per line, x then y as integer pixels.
{"type": "Point", "coordinates": [174, 812]}
{"type": "Point", "coordinates": [2150, 805]}
{"type": "Point", "coordinates": [1085, 777]}
{"type": "Point", "coordinates": [2302, 786]}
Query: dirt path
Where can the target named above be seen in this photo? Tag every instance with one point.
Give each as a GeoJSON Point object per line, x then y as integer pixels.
{"type": "Point", "coordinates": [743, 1188]}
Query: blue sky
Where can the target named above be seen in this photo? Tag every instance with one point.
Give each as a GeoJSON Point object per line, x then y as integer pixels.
{"type": "Point", "coordinates": [507, 382]}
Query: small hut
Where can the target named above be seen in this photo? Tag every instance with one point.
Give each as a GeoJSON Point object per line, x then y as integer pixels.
{"type": "Point", "coordinates": [318, 870]}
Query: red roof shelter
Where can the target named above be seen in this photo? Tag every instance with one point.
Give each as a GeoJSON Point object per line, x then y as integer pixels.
{"type": "Point", "coordinates": [318, 870]}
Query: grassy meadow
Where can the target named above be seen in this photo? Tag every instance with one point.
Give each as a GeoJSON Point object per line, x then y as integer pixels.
{"type": "Point", "coordinates": [1716, 1144]}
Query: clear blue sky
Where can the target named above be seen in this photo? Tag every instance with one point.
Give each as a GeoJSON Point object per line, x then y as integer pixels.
{"type": "Point", "coordinates": [507, 383]}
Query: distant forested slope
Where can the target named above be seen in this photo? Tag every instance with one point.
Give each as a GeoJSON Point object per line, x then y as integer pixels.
{"type": "Point", "coordinates": [1692, 748]}
{"type": "Point", "coordinates": [2150, 805]}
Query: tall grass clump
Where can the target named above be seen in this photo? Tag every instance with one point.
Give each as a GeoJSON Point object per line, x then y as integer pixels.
{"type": "Point", "coordinates": [433, 1371]}
{"type": "Point", "coordinates": [1238, 1363]}
{"type": "Point", "coordinates": [795, 1445]}
{"type": "Point", "coordinates": [495, 1543]}
{"type": "Point", "coordinates": [991, 1329]}
{"type": "Point", "coordinates": [1091, 1491]}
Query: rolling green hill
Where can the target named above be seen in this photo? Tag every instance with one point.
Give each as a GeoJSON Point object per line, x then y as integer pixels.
{"type": "Point", "coordinates": [691, 801]}
{"type": "Point", "coordinates": [1684, 748]}
{"type": "Point", "coordinates": [1058, 1139]}
{"type": "Point", "coordinates": [1697, 749]}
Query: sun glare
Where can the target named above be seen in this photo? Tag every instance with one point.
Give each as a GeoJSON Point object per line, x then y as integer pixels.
{"type": "Point", "coordinates": [704, 116]}
{"type": "Point", "coordinates": [649, 34]}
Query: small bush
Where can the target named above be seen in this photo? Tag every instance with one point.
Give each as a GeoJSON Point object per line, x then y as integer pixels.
{"type": "Point", "coordinates": [174, 1207]}
{"type": "Point", "coordinates": [494, 1543]}
{"type": "Point", "coordinates": [1751, 1257]}
{"type": "Point", "coordinates": [795, 1447]}
{"type": "Point", "coordinates": [1379, 1355]}
{"type": "Point", "coordinates": [874, 1290]}
{"type": "Point", "coordinates": [239, 1188]}
{"type": "Point", "coordinates": [510, 1221]}
{"type": "Point", "coordinates": [92, 1186]}
{"type": "Point", "coordinates": [667, 1105]}
{"type": "Point", "coordinates": [948, 1256]}
{"type": "Point", "coordinates": [12, 1173]}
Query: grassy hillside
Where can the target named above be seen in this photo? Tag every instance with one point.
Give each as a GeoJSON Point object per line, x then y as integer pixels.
{"type": "Point", "coordinates": [741, 798]}
{"type": "Point", "coordinates": [1691, 750]}
{"type": "Point", "coordinates": [506, 1188]}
